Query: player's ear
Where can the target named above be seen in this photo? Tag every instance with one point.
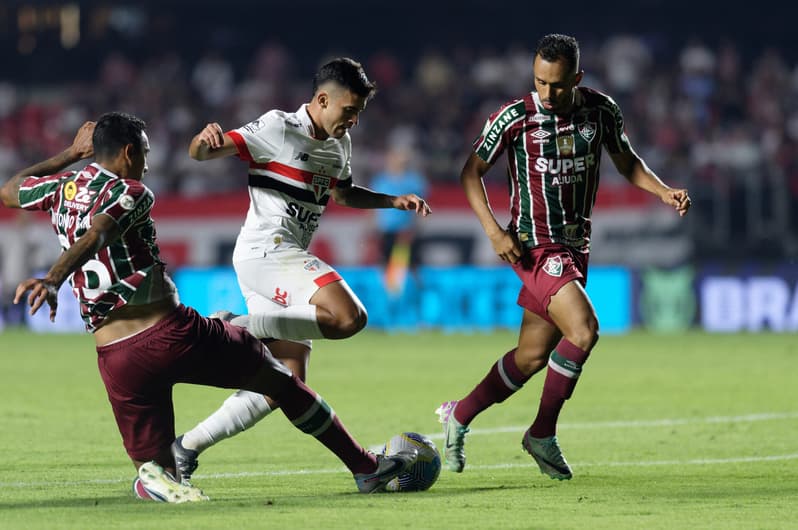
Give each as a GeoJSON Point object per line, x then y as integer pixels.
{"type": "Point", "coordinates": [127, 152]}
{"type": "Point", "coordinates": [579, 76]}
{"type": "Point", "coordinates": [322, 98]}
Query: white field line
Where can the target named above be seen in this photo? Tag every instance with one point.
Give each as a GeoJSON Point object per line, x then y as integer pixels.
{"type": "Point", "coordinates": [511, 429]}
{"type": "Point", "coordinates": [746, 418]}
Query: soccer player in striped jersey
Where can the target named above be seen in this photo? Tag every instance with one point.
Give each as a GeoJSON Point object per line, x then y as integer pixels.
{"type": "Point", "coordinates": [553, 138]}
{"type": "Point", "coordinates": [146, 339]}
{"type": "Point", "coordinates": [297, 162]}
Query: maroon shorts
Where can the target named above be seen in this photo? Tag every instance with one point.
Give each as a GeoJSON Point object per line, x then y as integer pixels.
{"type": "Point", "coordinates": [544, 270]}
{"type": "Point", "coordinates": [184, 347]}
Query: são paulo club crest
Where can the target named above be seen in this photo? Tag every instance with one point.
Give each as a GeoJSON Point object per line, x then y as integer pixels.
{"type": "Point", "coordinates": [320, 186]}
{"type": "Point", "coordinates": [587, 130]}
{"type": "Point", "coordinates": [553, 266]}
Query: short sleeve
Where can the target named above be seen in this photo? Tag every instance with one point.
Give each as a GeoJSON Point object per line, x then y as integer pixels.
{"type": "Point", "coordinates": [39, 193]}
{"type": "Point", "coordinates": [616, 140]}
{"type": "Point", "coordinates": [497, 133]}
{"type": "Point", "coordinates": [260, 140]}
{"type": "Point", "coordinates": [127, 202]}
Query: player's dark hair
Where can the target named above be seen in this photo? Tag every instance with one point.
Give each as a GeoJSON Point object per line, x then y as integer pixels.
{"type": "Point", "coordinates": [113, 131]}
{"type": "Point", "coordinates": [349, 74]}
{"type": "Point", "coordinates": [555, 46]}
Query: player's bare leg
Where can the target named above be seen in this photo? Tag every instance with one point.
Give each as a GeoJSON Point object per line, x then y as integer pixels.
{"type": "Point", "coordinates": [338, 311]}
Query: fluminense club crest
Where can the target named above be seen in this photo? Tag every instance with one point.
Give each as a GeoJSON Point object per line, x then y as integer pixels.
{"type": "Point", "coordinates": [553, 266]}
{"type": "Point", "coordinates": [587, 130]}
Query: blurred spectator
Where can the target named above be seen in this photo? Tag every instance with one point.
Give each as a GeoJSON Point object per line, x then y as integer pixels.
{"type": "Point", "coordinates": [14, 267]}
{"type": "Point", "coordinates": [212, 78]}
{"type": "Point", "coordinates": [695, 107]}
{"type": "Point", "coordinates": [396, 227]}
{"type": "Point", "coordinates": [626, 63]}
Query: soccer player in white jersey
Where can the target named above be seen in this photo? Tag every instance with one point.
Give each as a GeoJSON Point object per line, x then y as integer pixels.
{"type": "Point", "coordinates": [297, 161]}
{"type": "Point", "coordinates": [147, 341]}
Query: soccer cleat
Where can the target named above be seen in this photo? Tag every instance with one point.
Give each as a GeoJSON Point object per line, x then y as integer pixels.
{"type": "Point", "coordinates": [548, 455]}
{"type": "Point", "coordinates": [141, 492]}
{"type": "Point", "coordinates": [454, 437]}
{"type": "Point", "coordinates": [159, 486]}
{"type": "Point", "coordinates": [186, 461]}
{"type": "Point", "coordinates": [388, 468]}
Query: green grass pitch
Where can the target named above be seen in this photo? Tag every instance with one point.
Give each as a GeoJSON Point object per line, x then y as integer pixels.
{"type": "Point", "coordinates": [664, 431]}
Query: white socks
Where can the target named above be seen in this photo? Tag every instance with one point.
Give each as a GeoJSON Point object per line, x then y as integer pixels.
{"type": "Point", "coordinates": [296, 322]}
{"type": "Point", "coordinates": [240, 411]}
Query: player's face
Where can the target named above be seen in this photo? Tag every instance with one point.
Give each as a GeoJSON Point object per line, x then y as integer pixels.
{"type": "Point", "coordinates": [139, 158]}
{"type": "Point", "coordinates": [556, 83]}
{"type": "Point", "coordinates": [340, 111]}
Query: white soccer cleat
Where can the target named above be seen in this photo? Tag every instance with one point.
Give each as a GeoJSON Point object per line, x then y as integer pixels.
{"type": "Point", "coordinates": [454, 437]}
{"type": "Point", "coordinates": [156, 484]}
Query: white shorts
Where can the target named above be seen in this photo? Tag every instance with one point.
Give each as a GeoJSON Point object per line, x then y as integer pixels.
{"type": "Point", "coordinates": [283, 277]}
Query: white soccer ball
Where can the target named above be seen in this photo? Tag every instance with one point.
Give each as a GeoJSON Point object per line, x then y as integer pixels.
{"type": "Point", "coordinates": [421, 475]}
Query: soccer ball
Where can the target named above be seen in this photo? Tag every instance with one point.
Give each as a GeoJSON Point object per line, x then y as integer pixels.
{"type": "Point", "coordinates": [421, 475]}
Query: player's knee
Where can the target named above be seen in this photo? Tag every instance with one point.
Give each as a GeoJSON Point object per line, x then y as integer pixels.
{"type": "Point", "coordinates": [343, 324]}
{"type": "Point", "coordinates": [352, 322]}
{"type": "Point", "coordinates": [585, 336]}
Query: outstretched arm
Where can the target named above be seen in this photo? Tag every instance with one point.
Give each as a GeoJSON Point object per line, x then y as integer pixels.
{"type": "Point", "coordinates": [504, 244]}
{"type": "Point", "coordinates": [102, 233]}
{"type": "Point", "coordinates": [211, 142]}
{"type": "Point", "coordinates": [361, 197]}
{"type": "Point", "coordinates": [638, 173]}
{"type": "Point", "coordinates": [81, 148]}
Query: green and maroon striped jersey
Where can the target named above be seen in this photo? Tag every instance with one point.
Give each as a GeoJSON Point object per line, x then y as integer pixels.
{"type": "Point", "coordinates": [110, 279]}
{"type": "Point", "coordinates": [553, 163]}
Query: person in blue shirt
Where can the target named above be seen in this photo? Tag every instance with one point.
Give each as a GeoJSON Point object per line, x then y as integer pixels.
{"type": "Point", "coordinates": [397, 228]}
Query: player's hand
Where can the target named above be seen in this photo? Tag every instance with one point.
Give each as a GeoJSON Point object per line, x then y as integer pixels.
{"type": "Point", "coordinates": [82, 146]}
{"type": "Point", "coordinates": [506, 246]}
{"type": "Point", "coordinates": [41, 291]}
{"type": "Point", "coordinates": [679, 199]}
{"type": "Point", "coordinates": [412, 202]}
{"type": "Point", "coordinates": [212, 136]}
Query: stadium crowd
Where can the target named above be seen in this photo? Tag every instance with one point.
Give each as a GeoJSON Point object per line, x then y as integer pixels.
{"type": "Point", "coordinates": [692, 111]}
{"type": "Point", "coordinates": [716, 118]}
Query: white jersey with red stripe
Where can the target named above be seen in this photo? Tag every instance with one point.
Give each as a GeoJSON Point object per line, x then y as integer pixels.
{"type": "Point", "coordinates": [291, 175]}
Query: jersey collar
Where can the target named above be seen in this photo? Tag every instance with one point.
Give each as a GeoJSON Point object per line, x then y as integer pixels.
{"type": "Point", "coordinates": [304, 120]}
{"type": "Point", "coordinates": [103, 169]}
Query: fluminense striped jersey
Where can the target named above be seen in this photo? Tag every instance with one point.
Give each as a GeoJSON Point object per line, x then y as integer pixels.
{"type": "Point", "coordinates": [291, 175]}
{"type": "Point", "coordinates": [113, 277]}
{"type": "Point", "coordinates": [553, 163]}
